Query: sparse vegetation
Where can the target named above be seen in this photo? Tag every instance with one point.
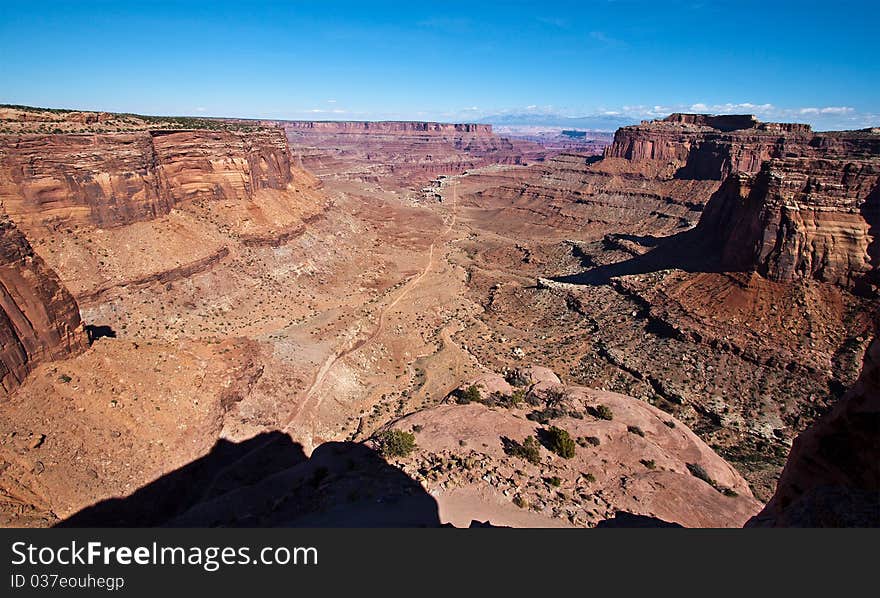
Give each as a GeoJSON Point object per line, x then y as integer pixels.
{"type": "Point", "coordinates": [560, 442]}
{"type": "Point", "coordinates": [601, 412]}
{"type": "Point", "coordinates": [470, 395]}
{"type": "Point", "coordinates": [529, 449]}
{"type": "Point", "coordinates": [396, 443]}
{"type": "Point", "coordinates": [649, 463]}
{"type": "Point", "coordinates": [555, 481]}
{"type": "Point", "coordinates": [635, 430]}
{"type": "Point", "coordinates": [520, 502]}
{"type": "Point", "coordinates": [699, 472]}
{"type": "Point", "coordinates": [64, 378]}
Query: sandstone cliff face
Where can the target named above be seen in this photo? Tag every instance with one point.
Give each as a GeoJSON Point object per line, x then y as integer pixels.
{"type": "Point", "coordinates": [39, 320]}
{"type": "Point", "coordinates": [799, 218]}
{"type": "Point", "coordinates": [113, 179]}
{"type": "Point", "coordinates": [832, 477]}
{"type": "Point", "coordinates": [700, 146]}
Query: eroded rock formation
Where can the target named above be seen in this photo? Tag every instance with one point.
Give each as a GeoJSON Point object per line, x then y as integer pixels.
{"type": "Point", "coordinates": [799, 218]}
{"type": "Point", "coordinates": [39, 320]}
{"type": "Point", "coordinates": [700, 146]}
{"type": "Point", "coordinates": [119, 178]}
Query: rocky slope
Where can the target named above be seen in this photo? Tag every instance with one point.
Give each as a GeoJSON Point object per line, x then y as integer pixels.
{"type": "Point", "coordinates": [799, 218]}
{"type": "Point", "coordinates": [39, 320]}
{"type": "Point", "coordinates": [626, 457]}
{"type": "Point", "coordinates": [832, 477]}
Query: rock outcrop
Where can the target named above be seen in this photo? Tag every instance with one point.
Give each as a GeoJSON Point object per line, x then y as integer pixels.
{"type": "Point", "coordinates": [39, 320]}
{"type": "Point", "coordinates": [799, 218]}
{"type": "Point", "coordinates": [832, 477]}
{"type": "Point", "coordinates": [701, 146]}
{"type": "Point", "coordinates": [118, 178]}
{"type": "Point", "coordinates": [625, 456]}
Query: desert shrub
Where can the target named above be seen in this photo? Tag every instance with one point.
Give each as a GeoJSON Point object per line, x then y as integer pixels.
{"type": "Point", "coordinates": [730, 492]}
{"type": "Point", "coordinates": [470, 395]}
{"type": "Point", "coordinates": [669, 423]}
{"type": "Point", "coordinates": [601, 412]}
{"type": "Point", "coordinates": [64, 378]}
{"type": "Point", "coordinates": [555, 481]}
{"type": "Point", "coordinates": [635, 430]}
{"type": "Point", "coordinates": [699, 472]}
{"type": "Point", "coordinates": [520, 502]}
{"type": "Point", "coordinates": [590, 478]}
{"type": "Point", "coordinates": [560, 442]}
{"type": "Point", "coordinates": [517, 377]}
{"type": "Point", "coordinates": [649, 463]}
{"type": "Point", "coordinates": [533, 400]}
{"type": "Point", "coordinates": [396, 443]}
{"type": "Point", "coordinates": [516, 399]}
{"type": "Point", "coordinates": [529, 449]}
{"type": "Point", "coordinates": [417, 428]}
{"type": "Point", "coordinates": [554, 396]}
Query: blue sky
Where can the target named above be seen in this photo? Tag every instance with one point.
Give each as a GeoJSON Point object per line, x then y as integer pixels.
{"type": "Point", "coordinates": [806, 61]}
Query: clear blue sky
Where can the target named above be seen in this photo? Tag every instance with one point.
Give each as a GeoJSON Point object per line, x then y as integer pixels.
{"type": "Point", "coordinates": [808, 61]}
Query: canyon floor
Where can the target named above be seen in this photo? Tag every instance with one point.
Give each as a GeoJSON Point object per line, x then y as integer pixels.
{"type": "Point", "coordinates": [356, 300]}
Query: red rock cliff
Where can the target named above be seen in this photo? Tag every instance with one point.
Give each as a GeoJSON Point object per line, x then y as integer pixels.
{"type": "Point", "coordinates": [39, 319]}
{"type": "Point", "coordinates": [799, 218]}
{"type": "Point", "coordinates": [119, 178]}
{"type": "Point", "coordinates": [701, 146]}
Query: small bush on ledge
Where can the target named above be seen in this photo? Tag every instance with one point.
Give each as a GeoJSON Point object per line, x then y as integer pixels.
{"type": "Point", "coordinates": [396, 443]}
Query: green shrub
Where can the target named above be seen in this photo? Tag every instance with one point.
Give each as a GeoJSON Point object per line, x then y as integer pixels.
{"type": "Point", "coordinates": [555, 481]}
{"type": "Point", "coordinates": [520, 502]}
{"type": "Point", "coordinates": [602, 412]}
{"type": "Point", "coordinates": [635, 430]}
{"type": "Point", "coordinates": [560, 442]}
{"type": "Point", "coordinates": [649, 463]}
{"type": "Point", "coordinates": [530, 449]}
{"type": "Point", "coordinates": [470, 395]}
{"type": "Point", "coordinates": [396, 443]}
{"type": "Point", "coordinates": [698, 472]}
{"type": "Point", "coordinates": [64, 378]}
{"type": "Point", "coordinates": [590, 478]}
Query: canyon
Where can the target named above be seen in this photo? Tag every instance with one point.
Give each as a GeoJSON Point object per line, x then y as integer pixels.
{"type": "Point", "coordinates": [235, 312]}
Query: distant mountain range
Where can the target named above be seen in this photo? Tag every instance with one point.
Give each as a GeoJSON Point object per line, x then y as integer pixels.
{"type": "Point", "coordinates": [600, 122]}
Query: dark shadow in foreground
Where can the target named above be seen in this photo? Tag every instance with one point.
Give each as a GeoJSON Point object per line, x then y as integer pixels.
{"type": "Point", "coordinates": [622, 519]}
{"type": "Point", "coordinates": [267, 481]}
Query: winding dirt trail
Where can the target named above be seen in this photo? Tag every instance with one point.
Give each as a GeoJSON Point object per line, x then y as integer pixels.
{"type": "Point", "coordinates": [307, 403]}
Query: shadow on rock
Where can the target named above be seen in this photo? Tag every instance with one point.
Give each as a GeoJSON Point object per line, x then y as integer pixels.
{"type": "Point", "coordinates": [267, 481]}
{"type": "Point", "coordinates": [622, 519]}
